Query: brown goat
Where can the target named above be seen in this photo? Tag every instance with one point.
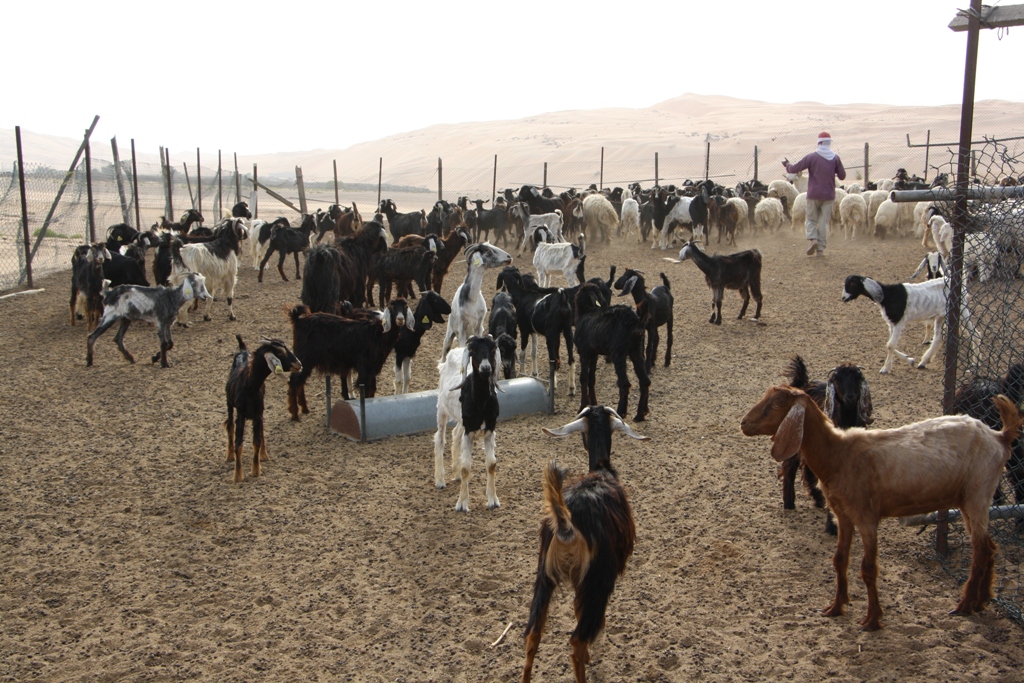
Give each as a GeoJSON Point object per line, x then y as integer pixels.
{"type": "Point", "coordinates": [937, 464]}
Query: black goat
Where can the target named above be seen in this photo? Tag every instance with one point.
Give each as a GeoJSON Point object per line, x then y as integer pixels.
{"type": "Point", "coordinates": [241, 210]}
{"type": "Point", "coordinates": [245, 390]}
{"type": "Point", "coordinates": [402, 224]}
{"type": "Point", "coordinates": [321, 281]}
{"type": "Point", "coordinates": [261, 236]}
{"type": "Point", "coordinates": [454, 243]}
{"type": "Point", "coordinates": [617, 333]}
{"type": "Point", "coordinates": [845, 399]}
{"type": "Point", "coordinates": [183, 226]}
{"type": "Point", "coordinates": [87, 280]}
{"type": "Point", "coordinates": [586, 538]}
{"type": "Point", "coordinates": [356, 255]}
{"type": "Point", "coordinates": [403, 265]}
{"type": "Point", "coordinates": [654, 309]}
{"type": "Point", "coordinates": [699, 209]}
{"type": "Point", "coordinates": [328, 220]}
{"type": "Point", "coordinates": [334, 345]}
{"type": "Point", "coordinates": [431, 309]}
{"type": "Point", "coordinates": [501, 325]}
{"type": "Point", "coordinates": [491, 219]}
{"type": "Point", "coordinates": [156, 305]}
{"type": "Point", "coordinates": [537, 202]}
{"type": "Point", "coordinates": [286, 241]}
{"type": "Point", "coordinates": [126, 269]}
{"type": "Point", "coordinates": [741, 271]}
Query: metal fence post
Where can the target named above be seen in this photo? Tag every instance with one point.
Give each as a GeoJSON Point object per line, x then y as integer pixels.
{"type": "Point", "coordinates": [601, 181]}
{"type": "Point", "coordinates": [238, 182]}
{"type": "Point", "coordinates": [170, 178]}
{"type": "Point", "coordinates": [380, 176]}
{"type": "Point", "coordinates": [655, 169]}
{"type": "Point", "coordinates": [125, 215]}
{"type": "Point", "coordinates": [545, 175]}
{"type": "Point", "coordinates": [337, 196]}
{"type": "Point", "coordinates": [755, 162]}
{"type": "Point", "coordinates": [135, 188]}
{"type": "Point", "coordinates": [88, 190]}
{"type": "Point", "coordinates": [199, 185]}
{"type": "Point", "coordinates": [494, 181]}
{"type": "Point", "coordinates": [255, 189]}
{"type": "Point", "coordinates": [220, 186]}
{"type": "Point", "coordinates": [440, 184]}
{"type": "Point", "coordinates": [927, 149]}
{"type": "Point", "coordinates": [707, 159]}
{"type": "Point", "coordinates": [24, 207]}
{"type": "Point", "coordinates": [867, 175]}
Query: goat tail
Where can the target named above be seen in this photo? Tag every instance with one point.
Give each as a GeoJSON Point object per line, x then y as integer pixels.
{"type": "Point", "coordinates": [297, 312]}
{"type": "Point", "coordinates": [241, 344]}
{"type": "Point", "coordinates": [557, 516]}
{"type": "Point", "coordinates": [796, 373]}
{"type": "Point", "coordinates": [1009, 413]}
{"type": "Point", "coordinates": [664, 280]}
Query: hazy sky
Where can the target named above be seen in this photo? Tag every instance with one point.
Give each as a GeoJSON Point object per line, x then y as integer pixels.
{"type": "Point", "coordinates": [258, 77]}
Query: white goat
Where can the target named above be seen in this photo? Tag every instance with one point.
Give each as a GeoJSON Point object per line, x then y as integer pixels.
{"type": "Point", "coordinates": [551, 221]}
{"type": "Point", "coordinates": [599, 216]}
{"type": "Point", "coordinates": [942, 234]}
{"type": "Point", "coordinates": [678, 213]}
{"type": "Point", "coordinates": [563, 258]}
{"type": "Point", "coordinates": [217, 261]}
{"type": "Point", "coordinates": [630, 220]}
{"type": "Point", "coordinates": [469, 308]}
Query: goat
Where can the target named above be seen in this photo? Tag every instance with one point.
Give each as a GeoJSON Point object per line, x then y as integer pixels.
{"type": "Point", "coordinates": [216, 260]}
{"type": "Point", "coordinates": [730, 218]}
{"type": "Point", "coordinates": [261, 231]}
{"type": "Point", "coordinates": [945, 462]}
{"type": "Point", "coordinates": [495, 219]}
{"type": "Point", "coordinates": [321, 282]}
{"type": "Point", "coordinates": [469, 308]}
{"type": "Point", "coordinates": [454, 243]}
{"type": "Point", "coordinates": [328, 220]}
{"type": "Point", "coordinates": [356, 255]}
{"type": "Point", "coordinates": [284, 241]}
{"type": "Point", "coordinates": [654, 309]}
{"type": "Point", "coordinates": [156, 305]}
{"type": "Point", "coordinates": [183, 226]}
{"type": "Point", "coordinates": [900, 304]}
{"type": "Point", "coordinates": [537, 202]}
{"type": "Point", "coordinates": [845, 399]}
{"type": "Point", "coordinates": [740, 271]}
{"type": "Point", "coordinates": [615, 332]}
{"type": "Point", "coordinates": [245, 389]}
{"type": "Point", "coordinates": [331, 344]}
{"type": "Point", "coordinates": [128, 268]}
{"type": "Point", "coordinates": [403, 264]}
{"type": "Point", "coordinates": [467, 393]}
{"type": "Point", "coordinates": [563, 258]}
{"type": "Point", "coordinates": [669, 210]}
{"type": "Point", "coordinates": [550, 221]}
{"type": "Point", "coordinates": [699, 219]}
{"type": "Point", "coordinates": [501, 325]}
{"type": "Point", "coordinates": [87, 279]}
{"type": "Point", "coordinates": [586, 538]}
{"type": "Point", "coordinates": [431, 309]}
{"type": "Point", "coordinates": [402, 224]}
{"type": "Point", "coordinates": [345, 221]}
{"type": "Point", "coordinates": [630, 220]}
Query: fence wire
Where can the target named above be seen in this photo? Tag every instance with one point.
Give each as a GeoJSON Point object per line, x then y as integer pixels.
{"type": "Point", "coordinates": [991, 351]}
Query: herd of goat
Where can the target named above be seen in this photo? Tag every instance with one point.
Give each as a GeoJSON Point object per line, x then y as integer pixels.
{"type": "Point", "coordinates": [819, 427]}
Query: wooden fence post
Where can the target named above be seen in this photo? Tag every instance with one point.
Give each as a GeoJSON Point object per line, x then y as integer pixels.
{"type": "Point", "coordinates": [494, 181]}
{"type": "Point", "coordinates": [380, 176]}
{"type": "Point", "coordinates": [440, 176]}
{"type": "Point", "coordinates": [867, 177]}
{"type": "Point", "coordinates": [199, 185]}
{"type": "Point", "coordinates": [88, 191]}
{"type": "Point", "coordinates": [125, 214]}
{"type": "Point", "coordinates": [24, 208]}
{"type": "Point", "coordinates": [337, 196]}
{"type": "Point", "coordinates": [135, 189]}
{"type": "Point", "coordinates": [301, 185]}
{"type": "Point", "coordinates": [601, 177]}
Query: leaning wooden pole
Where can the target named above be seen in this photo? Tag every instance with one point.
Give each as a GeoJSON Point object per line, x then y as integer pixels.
{"type": "Point", "coordinates": [125, 214]}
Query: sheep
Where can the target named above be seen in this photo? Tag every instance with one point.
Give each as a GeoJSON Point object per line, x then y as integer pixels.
{"type": "Point", "coordinates": [87, 279]}
{"type": "Point", "coordinates": [783, 188]}
{"type": "Point", "coordinates": [654, 309]}
{"type": "Point", "coordinates": [331, 344]}
{"type": "Point", "coordinates": [245, 390]}
{"type": "Point", "coordinates": [630, 220]}
{"type": "Point", "coordinates": [586, 538]}
{"type": "Point", "coordinates": [402, 224]}
{"type": "Point", "coordinates": [768, 215]}
{"type": "Point", "coordinates": [887, 219]}
{"type": "Point", "coordinates": [614, 332]}
{"type": "Point", "coordinates": [599, 217]}
{"type": "Point", "coordinates": [742, 213]}
{"type": "Point", "coordinates": [740, 271]}
{"type": "Point", "coordinates": [836, 219]}
{"type": "Point", "coordinates": [286, 241]}
{"type": "Point", "coordinates": [942, 234]}
{"type": "Point", "coordinates": [846, 400]}
{"type": "Point", "coordinates": [873, 200]}
{"type": "Point", "coordinates": [541, 312]}
{"type": "Point", "coordinates": [798, 180]}
{"type": "Point", "coordinates": [216, 260]}
{"type": "Point", "coordinates": [854, 213]}
{"type": "Point", "coordinates": [551, 221]}
{"type": "Point", "coordinates": [501, 325]}
{"type": "Point", "coordinates": [155, 305]}
{"type": "Point", "coordinates": [261, 236]}
{"type": "Point", "coordinates": [454, 243]}
{"type": "Point", "coordinates": [469, 308]}
{"type": "Point", "coordinates": [945, 462]}
{"type": "Point", "coordinates": [981, 252]}
{"type": "Point", "coordinates": [431, 309]}
{"type": "Point", "coordinates": [903, 303]}
{"type": "Point", "coordinates": [799, 211]}
{"type": "Point", "coordinates": [467, 394]}
{"type": "Point", "coordinates": [564, 258]}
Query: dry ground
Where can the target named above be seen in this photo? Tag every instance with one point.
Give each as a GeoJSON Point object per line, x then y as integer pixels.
{"type": "Point", "coordinates": [128, 554]}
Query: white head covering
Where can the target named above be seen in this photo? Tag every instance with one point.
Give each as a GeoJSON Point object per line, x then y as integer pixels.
{"type": "Point", "coordinates": [825, 147]}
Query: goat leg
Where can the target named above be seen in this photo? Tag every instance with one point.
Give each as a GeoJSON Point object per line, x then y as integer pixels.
{"type": "Point", "coordinates": [119, 339]}
{"type": "Point", "coordinates": [787, 472]}
{"type": "Point", "coordinates": [841, 562]}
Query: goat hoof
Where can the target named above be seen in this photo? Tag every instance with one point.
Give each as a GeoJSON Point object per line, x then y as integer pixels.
{"type": "Point", "coordinates": [232, 317]}
{"type": "Point", "coordinates": [207, 318]}
{"type": "Point", "coordinates": [461, 507]}
{"type": "Point", "coordinates": [439, 486]}
{"type": "Point", "coordinates": [494, 506]}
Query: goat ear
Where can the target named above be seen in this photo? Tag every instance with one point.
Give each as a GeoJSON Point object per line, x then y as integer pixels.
{"type": "Point", "coordinates": [387, 319]}
{"type": "Point", "coordinates": [579, 425]}
{"type": "Point", "coordinates": [830, 399]}
{"type": "Point", "coordinates": [789, 435]}
{"type": "Point", "coordinates": [619, 425]}
{"type": "Point", "coordinates": [465, 360]}
{"type": "Point", "coordinates": [274, 363]}
{"type": "Point", "coordinates": [497, 366]}
{"type": "Point", "coordinates": [864, 407]}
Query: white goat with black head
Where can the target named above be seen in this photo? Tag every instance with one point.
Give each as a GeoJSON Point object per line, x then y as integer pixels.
{"type": "Point", "coordinates": [467, 394]}
{"type": "Point", "coordinates": [563, 257]}
{"type": "Point", "coordinates": [469, 308]}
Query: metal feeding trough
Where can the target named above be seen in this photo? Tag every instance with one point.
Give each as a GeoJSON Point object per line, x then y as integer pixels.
{"type": "Point", "coordinates": [378, 418]}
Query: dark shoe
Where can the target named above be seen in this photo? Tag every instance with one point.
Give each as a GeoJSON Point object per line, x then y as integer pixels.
{"type": "Point", "coordinates": [813, 248]}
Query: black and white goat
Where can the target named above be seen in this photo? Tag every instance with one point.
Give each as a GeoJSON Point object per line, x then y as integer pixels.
{"type": "Point", "coordinates": [284, 241]}
{"type": "Point", "coordinates": [431, 309]}
{"type": "Point", "coordinates": [469, 308]}
{"type": "Point", "coordinates": [156, 305]}
{"type": "Point", "coordinates": [586, 538]}
{"type": "Point", "coordinates": [467, 394]}
{"type": "Point", "coordinates": [182, 227]}
{"type": "Point", "coordinates": [614, 332]}
{"type": "Point", "coordinates": [904, 303]}
{"type": "Point", "coordinates": [260, 237]}
{"type": "Point", "coordinates": [654, 309]}
{"type": "Point", "coordinates": [245, 390]}
{"type": "Point", "coordinates": [846, 400]}
{"type": "Point", "coordinates": [128, 266]}
{"type": "Point", "coordinates": [552, 222]}
{"type": "Point", "coordinates": [216, 260]}
{"type": "Point", "coordinates": [502, 327]}
{"type": "Point", "coordinates": [87, 280]}
{"type": "Point", "coordinates": [563, 257]}
{"type": "Point", "coordinates": [740, 271]}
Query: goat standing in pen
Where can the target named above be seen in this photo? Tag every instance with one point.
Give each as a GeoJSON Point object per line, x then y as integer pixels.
{"type": "Point", "coordinates": [284, 241]}
{"type": "Point", "coordinates": [467, 393]}
{"type": "Point", "coordinates": [654, 309]}
{"type": "Point", "coordinates": [740, 271]}
{"type": "Point", "coordinates": [431, 309]}
{"type": "Point", "coordinates": [938, 464]}
{"type": "Point", "coordinates": [469, 308]}
{"type": "Point", "coordinates": [586, 538]}
{"type": "Point", "coordinates": [87, 280]}
{"type": "Point", "coordinates": [245, 391]}
{"type": "Point", "coordinates": [845, 399]}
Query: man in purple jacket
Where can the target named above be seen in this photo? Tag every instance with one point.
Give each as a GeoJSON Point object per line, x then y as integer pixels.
{"type": "Point", "coordinates": [823, 167]}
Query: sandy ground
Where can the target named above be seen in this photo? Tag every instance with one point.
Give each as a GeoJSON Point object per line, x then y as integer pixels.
{"type": "Point", "coordinates": [128, 554]}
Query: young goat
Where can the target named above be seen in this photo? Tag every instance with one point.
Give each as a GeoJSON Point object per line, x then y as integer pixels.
{"type": "Point", "coordinates": [471, 400]}
{"type": "Point", "coordinates": [245, 390]}
{"type": "Point", "coordinates": [87, 279]}
{"type": "Point", "coordinates": [216, 260]}
{"type": "Point", "coordinates": [740, 271]}
{"type": "Point", "coordinates": [945, 462]}
{"type": "Point", "coordinates": [586, 538]}
{"type": "Point", "coordinates": [845, 399]}
{"type": "Point", "coordinates": [454, 243]}
{"type": "Point", "coordinates": [563, 258]}
{"type": "Point", "coordinates": [904, 303]}
{"type": "Point", "coordinates": [284, 241]}
{"type": "Point", "coordinates": [469, 308]}
{"type": "Point", "coordinates": [654, 309]}
{"type": "Point", "coordinates": [431, 309]}
{"type": "Point", "coordinates": [156, 305]}
{"type": "Point", "coordinates": [261, 231]}
{"type": "Point", "coordinates": [404, 266]}
{"type": "Point", "coordinates": [615, 332]}
{"type": "Point", "coordinates": [502, 327]}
